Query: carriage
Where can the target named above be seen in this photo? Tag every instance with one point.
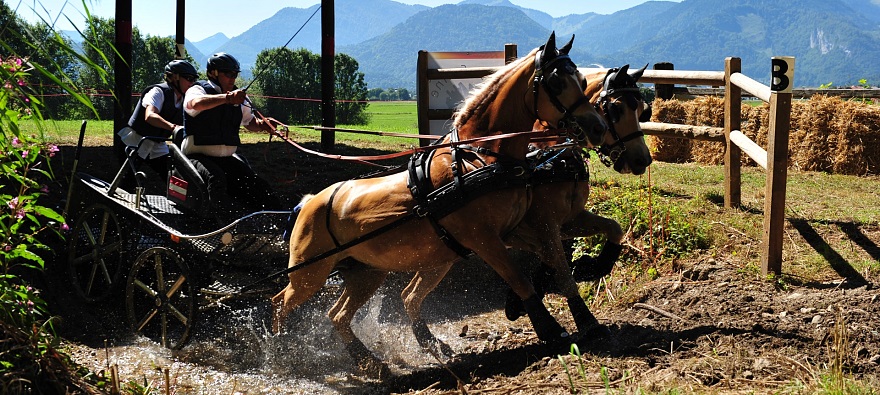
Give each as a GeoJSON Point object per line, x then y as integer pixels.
{"type": "Point", "coordinates": [159, 247]}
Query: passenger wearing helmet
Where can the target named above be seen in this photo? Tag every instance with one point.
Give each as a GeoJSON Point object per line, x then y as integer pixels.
{"type": "Point", "coordinates": [214, 112]}
{"type": "Point", "coordinates": [159, 112]}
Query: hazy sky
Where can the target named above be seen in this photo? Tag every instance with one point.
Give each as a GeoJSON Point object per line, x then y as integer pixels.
{"type": "Point", "coordinates": [233, 17]}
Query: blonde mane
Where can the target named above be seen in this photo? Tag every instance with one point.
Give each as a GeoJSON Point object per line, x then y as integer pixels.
{"type": "Point", "coordinates": [485, 92]}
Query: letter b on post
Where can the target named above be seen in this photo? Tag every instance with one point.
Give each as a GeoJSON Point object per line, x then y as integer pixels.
{"type": "Point", "coordinates": [782, 73]}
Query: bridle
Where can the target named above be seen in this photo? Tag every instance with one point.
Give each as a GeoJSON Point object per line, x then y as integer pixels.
{"type": "Point", "coordinates": [609, 154]}
{"type": "Point", "coordinates": [560, 62]}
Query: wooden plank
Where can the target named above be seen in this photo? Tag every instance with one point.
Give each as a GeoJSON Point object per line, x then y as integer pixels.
{"type": "Point", "coordinates": [684, 77]}
{"type": "Point", "coordinates": [460, 73]}
{"type": "Point", "coordinates": [751, 86]}
{"type": "Point", "coordinates": [752, 149]}
{"type": "Point", "coordinates": [705, 133]}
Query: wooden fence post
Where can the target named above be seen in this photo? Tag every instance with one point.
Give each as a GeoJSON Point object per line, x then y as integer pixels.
{"type": "Point", "coordinates": [422, 96]}
{"type": "Point", "coordinates": [664, 91]}
{"type": "Point", "coordinates": [777, 163]}
{"type": "Point", "coordinates": [732, 121]}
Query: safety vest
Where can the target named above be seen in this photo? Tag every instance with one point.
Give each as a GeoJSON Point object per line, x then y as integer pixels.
{"type": "Point", "coordinates": [169, 112]}
{"type": "Point", "coordinates": [216, 126]}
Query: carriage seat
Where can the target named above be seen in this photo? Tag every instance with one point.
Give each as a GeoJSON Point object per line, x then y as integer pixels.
{"type": "Point", "coordinates": [186, 188]}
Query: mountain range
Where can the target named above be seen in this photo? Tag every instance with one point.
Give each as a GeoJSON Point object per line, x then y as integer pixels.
{"type": "Point", "coordinates": [833, 41]}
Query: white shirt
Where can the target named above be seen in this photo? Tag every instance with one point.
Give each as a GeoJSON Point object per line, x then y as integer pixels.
{"type": "Point", "coordinates": [149, 148]}
{"type": "Point", "coordinates": [188, 146]}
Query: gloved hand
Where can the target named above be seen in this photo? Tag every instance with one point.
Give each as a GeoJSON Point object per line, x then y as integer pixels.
{"type": "Point", "coordinates": [235, 97]}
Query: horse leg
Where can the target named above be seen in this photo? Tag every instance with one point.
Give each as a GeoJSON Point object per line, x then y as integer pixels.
{"type": "Point", "coordinates": [495, 254]}
{"type": "Point", "coordinates": [587, 268]}
{"type": "Point", "coordinates": [307, 282]}
{"type": "Point", "coordinates": [422, 283]}
{"type": "Point", "coordinates": [360, 283]}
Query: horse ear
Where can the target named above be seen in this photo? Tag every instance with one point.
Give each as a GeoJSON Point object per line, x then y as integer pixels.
{"type": "Point", "coordinates": [567, 46]}
{"type": "Point", "coordinates": [550, 51]}
{"type": "Point", "coordinates": [620, 77]}
{"type": "Point", "coordinates": [638, 73]}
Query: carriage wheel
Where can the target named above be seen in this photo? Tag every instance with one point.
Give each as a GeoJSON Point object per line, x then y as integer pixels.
{"type": "Point", "coordinates": [160, 298]}
{"type": "Point", "coordinates": [96, 248]}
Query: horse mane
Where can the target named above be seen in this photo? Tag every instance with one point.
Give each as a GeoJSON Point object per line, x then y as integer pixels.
{"type": "Point", "coordinates": [485, 92]}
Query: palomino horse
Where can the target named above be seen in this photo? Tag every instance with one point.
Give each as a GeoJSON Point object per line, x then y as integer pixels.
{"type": "Point", "coordinates": [369, 227]}
{"type": "Point", "coordinates": [561, 188]}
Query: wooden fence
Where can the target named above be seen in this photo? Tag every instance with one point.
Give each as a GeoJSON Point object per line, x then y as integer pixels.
{"type": "Point", "coordinates": [774, 159]}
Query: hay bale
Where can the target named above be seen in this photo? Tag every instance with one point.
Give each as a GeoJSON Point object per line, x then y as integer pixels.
{"type": "Point", "coordinates": [827, 134]}
{"type": "Point", "coordinates": [670, 149]}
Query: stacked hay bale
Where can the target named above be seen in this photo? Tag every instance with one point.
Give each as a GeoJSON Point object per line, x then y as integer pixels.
{"type": "Point", "coordinates": [827, 133]}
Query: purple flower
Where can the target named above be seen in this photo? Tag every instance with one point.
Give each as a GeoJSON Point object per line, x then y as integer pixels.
{"type": "Point", "coordinates": [64, 227]}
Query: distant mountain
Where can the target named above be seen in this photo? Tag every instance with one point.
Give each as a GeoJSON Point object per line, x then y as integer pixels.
{"type": "Point", "coordinates": [389, 60]}
{"type": "Point", "coordinates": [832, 40]}
{"type": "Point", "coordinates": [356, 21]}
{"type": "Point", "coordinates": [208, 45]}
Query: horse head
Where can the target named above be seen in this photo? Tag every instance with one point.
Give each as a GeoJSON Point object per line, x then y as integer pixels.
{"type": "Point", "coordinates": [620, 100]}
{"type": "Point", "coordinates": [564, 104]}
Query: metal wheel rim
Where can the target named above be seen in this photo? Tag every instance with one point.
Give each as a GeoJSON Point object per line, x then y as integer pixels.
{"type": "Point", "coordinates": [160, 298]}
{"type": "Point", "coordinates": [96, 247]}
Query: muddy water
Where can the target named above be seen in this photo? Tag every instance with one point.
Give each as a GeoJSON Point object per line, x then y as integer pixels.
{"type": "Point", "coordinates": [233, 352]}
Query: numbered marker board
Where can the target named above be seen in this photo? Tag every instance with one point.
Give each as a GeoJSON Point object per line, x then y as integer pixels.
{"type": "Point", "coordinates": [447, 94]}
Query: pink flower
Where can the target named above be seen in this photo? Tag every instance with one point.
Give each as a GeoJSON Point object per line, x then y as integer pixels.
{"type": "Point", "coordinates": [44, 189]}
{"type": "Point", "coordinates": [7, 248]}
{"type": "Point", "coordinates": [53, 149]}
{"type": "Point", "coordinates": [24, 154]}
{"type": "Point", "coordinates": [16, 142]}
{"type": "Point", "coordinates": [19, 214]}
{"type": "Point", "coordinates": [13, 204]}
{"type": "Point", "coordinates": [64, 227]}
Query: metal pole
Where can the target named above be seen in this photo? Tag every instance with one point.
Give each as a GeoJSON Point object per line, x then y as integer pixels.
{"type": "Point", "coordinates": [122, 73]}
{"type": "Point", "coordinates": [328, 75]}
{"type": "Point", "coordinates": [180, 39]}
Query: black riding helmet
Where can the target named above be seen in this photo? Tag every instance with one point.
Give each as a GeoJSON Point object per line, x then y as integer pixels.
{"type": "Point", "coordinates": [223, 61]}
{"type": "Point", "coordinates": [180, 67]}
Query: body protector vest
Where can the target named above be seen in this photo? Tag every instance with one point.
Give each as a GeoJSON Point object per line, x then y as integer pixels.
{"type": "Point", "coordinates": [215, 126]}
{"type": "Point", "coordinates": [169, 112]}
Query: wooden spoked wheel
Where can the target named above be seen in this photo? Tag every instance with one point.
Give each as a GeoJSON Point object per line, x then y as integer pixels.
{"type": "Point", "coordinates": [160, 298]}
{"type": "Point", "coordinates": [96, 247]}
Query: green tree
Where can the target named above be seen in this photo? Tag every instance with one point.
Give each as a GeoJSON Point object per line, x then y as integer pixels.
{"type": "Point", "coordinates": [291, 83]}
{"type": "Point", "coordinates": [351, 92]}
{"type": "Point", "coordinates": [40, 44]}
{"type": "Point", "coordinates": [283, 74]}
{"type": "Point", "coordinates": [149, 57]}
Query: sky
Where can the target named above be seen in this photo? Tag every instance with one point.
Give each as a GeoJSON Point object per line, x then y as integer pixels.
{"type": "Point", "coordinates": [230, 17]}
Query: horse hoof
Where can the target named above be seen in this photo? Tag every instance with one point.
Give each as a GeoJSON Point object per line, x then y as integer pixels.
{"type": "Point", "coordinates": [597, 332]}
{"type": "Point", "coordinates": [513, 307]}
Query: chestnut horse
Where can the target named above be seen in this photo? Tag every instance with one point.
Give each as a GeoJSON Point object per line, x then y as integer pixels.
{"type": "Point", "coordinates": [561, 188]}
{"type": "Point", "coordinates": [367, 228]}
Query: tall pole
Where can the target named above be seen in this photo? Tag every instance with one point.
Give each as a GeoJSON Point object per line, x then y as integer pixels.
{"type": "Point", "coordinates": [122, 72]}
{"type": "Point", "coordinates": [328, 76]}
{"type": "Point", "coordinates": [180, 51]}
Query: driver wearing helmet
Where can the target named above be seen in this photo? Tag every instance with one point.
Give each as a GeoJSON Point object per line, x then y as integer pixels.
{"type": "Point", "coordinates": [214, 112]}
{"type": "Point", "coordinates": [159, 113]}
